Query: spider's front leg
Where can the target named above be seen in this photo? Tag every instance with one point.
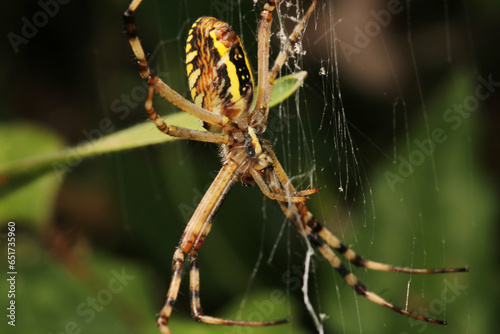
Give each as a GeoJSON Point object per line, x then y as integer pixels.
{"type": "Point", "coordinates": [155, 84]}
{"type": "Point", "coordinates": [266, 76]}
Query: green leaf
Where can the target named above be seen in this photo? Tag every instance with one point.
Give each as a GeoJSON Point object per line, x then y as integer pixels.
{"type": "Point", "coordinates": [137, 136]}
{"type": "Point", "coordinates": [285, 86]}
{"type": "Point", "coordinates": [91, 294]}
{"type": "Point", "coordinates": [26, 196]}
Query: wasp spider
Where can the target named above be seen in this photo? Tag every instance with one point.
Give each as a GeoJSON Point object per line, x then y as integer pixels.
{"type": "Point", "coordinates": [221, 86]}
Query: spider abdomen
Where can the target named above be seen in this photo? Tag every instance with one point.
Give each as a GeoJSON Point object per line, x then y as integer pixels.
{"type": "Point", "coordinates": [219, 75]}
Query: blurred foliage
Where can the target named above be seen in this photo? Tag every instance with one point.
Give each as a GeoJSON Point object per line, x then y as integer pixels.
{"type": "Point", "coordinates": [22, 161]}
{"type": "Point", "coordinates": [424, 220]}
{"type": "Point", "coordinates": [120, 215]}
{"type": "Point", "coordinates": [30, 198]}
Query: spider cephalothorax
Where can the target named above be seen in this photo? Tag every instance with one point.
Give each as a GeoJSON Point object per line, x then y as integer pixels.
{"type": "Point", "coordinates": [221, 86]}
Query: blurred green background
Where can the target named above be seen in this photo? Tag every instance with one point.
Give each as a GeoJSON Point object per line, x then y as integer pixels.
{"type": "Point", "coordinates": [95, 237]}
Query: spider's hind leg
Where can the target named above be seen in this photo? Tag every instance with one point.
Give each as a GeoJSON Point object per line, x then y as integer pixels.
{"type": "Point", "coordinates": [173, 291]}
{"type": "Point", "coordinates": [193, 238]}
{"type": "Point", "coordinates": [314, 232]}
{"type": "Point", "coordinates": [326, 243]}
{"type": "Point", "coordinates": [317, 230]}
{"type": "Point", "coordinates": [359, 287]}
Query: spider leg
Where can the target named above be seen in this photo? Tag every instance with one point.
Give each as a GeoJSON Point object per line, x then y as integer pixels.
{"type": "Point", "coordinates": [195, 233]}
{"type": "Point", "coordinates": [196, 304]}
{"type": "Point", "coordinates": [264, 35]}
{"type": "Point", "coordinates": [278, 196]}
{"type": "Point", "coordinates": [180, 132]}
{"type": "Point", "coordinates": [265, 76]}
{"type": "Point", "coordinates": [159, 86]}
{"type": "Point", "coordinates": [173, 291]}
{"type": "Point", "coordinates": [192, 239]}
{"type": "Point", "coordinates": [290, 43]}
{"type": "Point", "coordinates": [359, 287]}
{"type": "Point", "coordinates": [325, 241]}
{"type": "Point", "coordinates": [307, 192]}
{"type": "Point", "coordinates": [349, 254]}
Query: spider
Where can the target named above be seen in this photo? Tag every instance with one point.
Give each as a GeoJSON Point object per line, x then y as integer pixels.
{"type": "Point", "coordinates": [221, 86]}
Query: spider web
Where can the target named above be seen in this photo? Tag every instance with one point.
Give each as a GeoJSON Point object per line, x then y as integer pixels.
{"type": "Point", "coordinates": [374, 47]}
{"type": "Point", "coordinates": [366, 109]}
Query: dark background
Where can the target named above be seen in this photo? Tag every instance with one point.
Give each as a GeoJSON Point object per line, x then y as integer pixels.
{"type": "Point", "coordinates": [128, 209]}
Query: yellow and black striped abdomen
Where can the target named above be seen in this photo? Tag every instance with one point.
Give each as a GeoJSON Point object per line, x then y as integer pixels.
{"type": "Point", "coordinates": [219, 76]}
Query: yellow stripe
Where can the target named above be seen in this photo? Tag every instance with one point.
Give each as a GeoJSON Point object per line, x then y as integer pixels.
{"type": "Point", "coordinates": [190, 56]}
{"type": "Point", "coordinates": [193, 93]}
{"type": "Point", "coordinates": [231, 69]}
{"type": "Point", "coordinates": [248, 66]}
{"type": "Point", "coordinates": [255, 141]}
{"type": "Point", "coordinates": [198, 99]}
{"type": "Point", "coordinates": [190, 35]}
{"type": "Point", "coordinates": [193, 77]}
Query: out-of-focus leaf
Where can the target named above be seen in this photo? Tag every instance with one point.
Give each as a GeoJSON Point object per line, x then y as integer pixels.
{"type": "Point", "coordinates": [35, 163]}
{"type": "Point", "coordinates": [90, 295]}
{"type": "Point", "coordinates": [26, 196]}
